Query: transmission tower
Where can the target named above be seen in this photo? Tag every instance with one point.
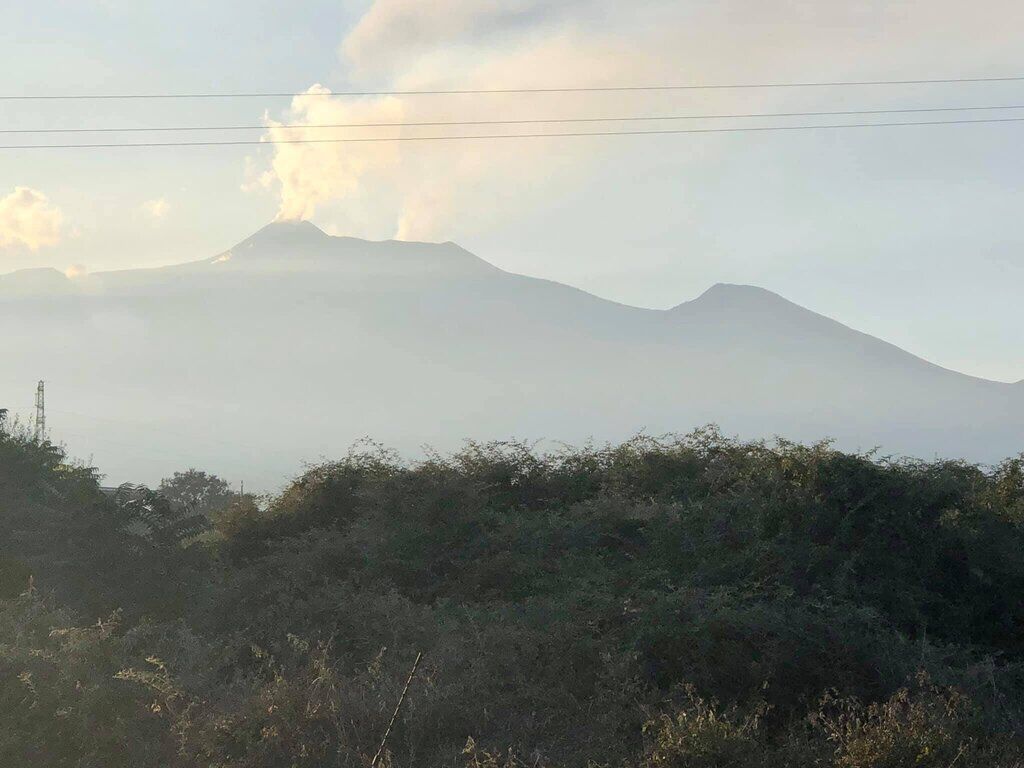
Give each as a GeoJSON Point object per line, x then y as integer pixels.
{"type": "Point", "coordinates": [40, 412]}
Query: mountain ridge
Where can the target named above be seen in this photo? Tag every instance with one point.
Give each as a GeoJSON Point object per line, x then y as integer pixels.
{"type": "Point", "coordinates": [268, 247]}
{"type": "Point", "coordinates": [268, 241]}
{"type": "Point", "coordinates": [299, 343]}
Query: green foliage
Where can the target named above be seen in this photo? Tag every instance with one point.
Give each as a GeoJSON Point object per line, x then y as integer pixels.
{"type": "Point", "coordinates": [241, 512]}
{"type": "Point", "coordinates": [751, 604]}
{"type": "Point", "coordinates": [95, 551]}
{"type": "Point", "coordinates": [61, 703]}
{"type": "Point", "coordinates": [15, 577]}
{"type": "Point", "coordinates": [196, 492]}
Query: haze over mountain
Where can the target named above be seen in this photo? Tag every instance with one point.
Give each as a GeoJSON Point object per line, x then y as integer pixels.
{"type": "Point", "coordinates": [293, 344]}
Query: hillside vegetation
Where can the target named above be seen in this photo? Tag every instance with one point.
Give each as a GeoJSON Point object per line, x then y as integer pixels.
{"type": "Point", "coordinates": [685, 602]}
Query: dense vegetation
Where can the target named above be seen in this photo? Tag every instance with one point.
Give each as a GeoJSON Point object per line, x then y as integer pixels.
{"type": "Point", "coordinates": [687, 602]}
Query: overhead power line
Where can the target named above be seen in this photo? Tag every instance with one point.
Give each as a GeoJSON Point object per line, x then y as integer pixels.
{"type": "Point", "coordinates": [533, 121]}
{"type": "Point", "coordinates": [484, 91]}
{"type": "Point", "coordinates": [572, 134]}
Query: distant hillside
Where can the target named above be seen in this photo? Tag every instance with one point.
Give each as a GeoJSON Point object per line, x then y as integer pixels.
{"type": "Point", "coordinates": [293, 344]}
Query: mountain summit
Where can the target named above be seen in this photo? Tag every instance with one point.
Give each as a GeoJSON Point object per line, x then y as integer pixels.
{"type": "Point", "coordinates": [285, 233]}
{"type": "Point", "coordinates": [295, 343]}
{"type": "Point", "coordinates": [277, 242]}
{"type": "Point", "coordinates": [299, 246]}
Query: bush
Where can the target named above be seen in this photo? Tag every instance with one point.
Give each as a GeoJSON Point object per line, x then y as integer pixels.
{"type": "Point", "coordinates": [560, 600]}
{"type": "Point", "coordinates": [921, 726]}
{"type": "Point", "coordinates": [61, 702]}
{"type": "Point", "coordinates": [700, 735]}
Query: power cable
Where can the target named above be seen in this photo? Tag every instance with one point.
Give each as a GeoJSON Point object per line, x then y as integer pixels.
{"type": "Point", "coordinates": [451, 123]}
{"type": "Point", "coordinates": [484, 91]}
{"type": "Point", "coordinates": [356, 140]}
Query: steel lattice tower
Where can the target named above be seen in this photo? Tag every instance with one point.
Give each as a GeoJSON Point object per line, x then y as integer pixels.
{"type": "Point", "coordinates": [41, 411]}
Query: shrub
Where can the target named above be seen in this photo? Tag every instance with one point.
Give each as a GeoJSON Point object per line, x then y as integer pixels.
{"type": "Point", "coordinates": [701, 735]}
{"type": "Point", "coordinates": [920, 726]}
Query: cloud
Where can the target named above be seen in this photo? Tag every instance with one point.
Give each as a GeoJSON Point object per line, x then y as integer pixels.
{"type": "Point", "coordinates": [156, 209]}
{"type": "Point", "coordinates": [438, 189]}
{"type": "Point", "coordinates": [28, 219]}
{"type": "Point", "coordinates": [393, 32]}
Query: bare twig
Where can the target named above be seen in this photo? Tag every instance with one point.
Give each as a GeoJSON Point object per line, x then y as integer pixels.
{"type": "Point", "coordinates": [398, 707]}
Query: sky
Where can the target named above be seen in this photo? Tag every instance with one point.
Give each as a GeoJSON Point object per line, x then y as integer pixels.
{"type": "Point", "coordinates": [911, 234]}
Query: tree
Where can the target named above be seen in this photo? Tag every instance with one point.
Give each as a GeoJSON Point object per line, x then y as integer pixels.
{"type": "Point", "coordinates": [91, 550]}
{"type": "Point", "coordinates": [197, 492]}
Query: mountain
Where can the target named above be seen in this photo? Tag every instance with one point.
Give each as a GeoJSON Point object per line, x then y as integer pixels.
{"type": "Point", "coordinates": [293, 344]}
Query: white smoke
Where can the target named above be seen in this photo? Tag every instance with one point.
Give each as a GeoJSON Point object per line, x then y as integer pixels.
{"type": "Point", "coordinates": [156, 209]}
{"type": "Point", "coordinates": [425, 190]}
